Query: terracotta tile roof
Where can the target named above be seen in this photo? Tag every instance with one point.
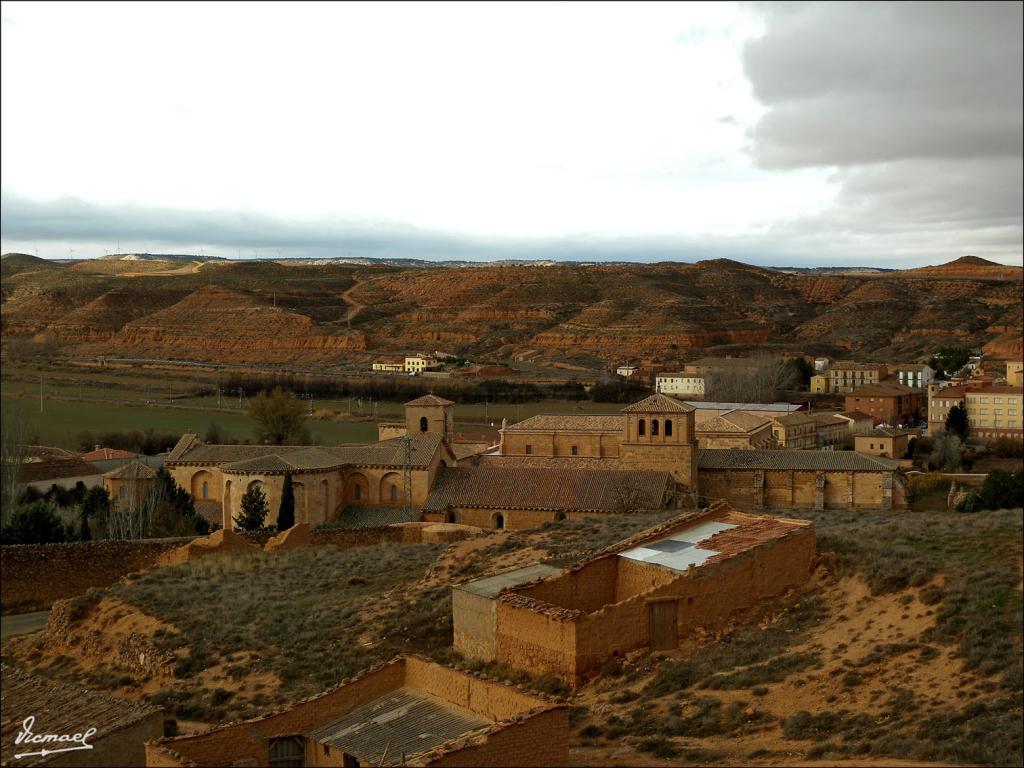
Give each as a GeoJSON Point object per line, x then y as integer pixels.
{"type": "Point", "coordinates": [280, 458]}
{"type": "Point", "coordinates": [734, 422]}
{"type": "Point", "coordinates": [430, 400]}
{"type": "Point", "coordinates": [59, 708]}
{"type": "Point", "coordinates": [793, 419]}
{"type": "Point", "coordinates": [888, 432]}
{"type": "Point", "coordinates": [883, 390]}
{"type": "Point", "coordinates": [849, 365]}
{"type": "Point", "coordinates": [105, 454]}
{"type": "Point", "coordinates": [465, 450]}
{"type": "Point", "coordinates": [658, 404]}
{"type": "Point", "coordinates": [828, 419]}
{"type": "Point", "coordinates": [134, 470]}
{"type": "Point", "coordinates": [856, 416]}
{"type": "Point", "coordinates": [569, 423]}
{"type": "Point", "coordinates": [838, 461]}
{"type": "Point", "coordinates": [997, 391]}
{"type": "Point", "coordinates": [584, 490]}
{"type": "Point", "coordinates": [55, 468]}
{"type": "Point", "coordinates": [747, 534]}
{"type": "Point", "coordinates": [550, 462]}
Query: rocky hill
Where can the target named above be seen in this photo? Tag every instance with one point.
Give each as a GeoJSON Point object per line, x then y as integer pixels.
{"type": "Point", "coordinates": [563, 315]}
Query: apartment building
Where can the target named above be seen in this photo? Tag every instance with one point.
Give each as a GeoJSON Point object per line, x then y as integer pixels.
{"type": "Point", "coordinates": [845, 375]}
{"type": "Point", "coordinates": [679, 383]}
{"type": "Point", "coordinates": [995, 412]}
{"type": "Point", "coordinates": [916, 376]}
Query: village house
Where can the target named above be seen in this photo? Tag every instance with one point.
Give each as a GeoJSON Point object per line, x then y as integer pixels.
{"type": "Point", "coordinates": [679, 383]}
{"type": "Point", "coordinates": [858, 423]}
{"type": "Point", "coordinates": [821, 364]}
{"type": "Point", "coordinates": [407, 712]}
{"type": "Point", "coordinates": [420, 363]}
{"type": "Point", "coordinates": [122, 727]}
{"type": "Point", "coordinates": [845, 375]}
{"type": "Point", "coordinates": [995, 412]}
{"type": "Point", "coordinates": [818, 384]}
{"type": "Point", "coordinates": [1015, 373]}
{"type": "Point", "coordinates": [888, 404]}
{"type": "Point", "coordinates": [917, 376]}
{"type": "Point", "coordinates": [795, 431]}
{"type": "Point", "coordinates": [695, 571]}
{"type": "Point", "coordinates": [887, 442]}
{"type": "Point", "coordinates": [129, 484]}
{"type": "Point", "coordinates": [830, 430]}
{"type": "Point", "coordinates": [734, 429]}
{"type": "Point", "coordinates": [625, 371]}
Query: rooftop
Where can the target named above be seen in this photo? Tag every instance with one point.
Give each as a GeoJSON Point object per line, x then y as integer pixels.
{"type": "Point", "coordinates": [400, 723]}
{"type": "Point", "coordinates": [883, 390]}
{"type": "Point", "coordinates": [429, 399]}
{"type": "Point", "coordinates": [734, 422]}
{"type": "Point", "coordinates": [135, 470]}
{"type": "Point", "coordinates": [106, 454]}
{"type": "Point", "coordinates": [491, 586]}
{"type": "Point", "coordinates": [584, 490]}
{"type": "Point", "coordinates": [822, 461]}
{"type": "Point", "coordinates": [658, 404]}
{"type": "Point", "coordinates": [569, 423]}
{"type": "Point", "coordinates": [59, 708]}
{"type": "Point", "coordinates": [770, 407]}
{"type": "Point", "coordinates": [856, 416]}
{"type": "Point", "coordinates": [850, 365]}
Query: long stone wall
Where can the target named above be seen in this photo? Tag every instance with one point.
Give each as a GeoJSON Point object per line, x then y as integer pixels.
{"type": "Point", "coordinates": [33, 576]}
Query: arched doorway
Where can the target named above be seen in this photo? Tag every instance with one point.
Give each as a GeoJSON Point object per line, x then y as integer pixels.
{"type": "Point", "coordinates": [499, 521]}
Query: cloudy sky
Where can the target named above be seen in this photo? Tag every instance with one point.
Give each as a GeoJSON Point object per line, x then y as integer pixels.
{"type": "Point", "coordinates": [800, 133]}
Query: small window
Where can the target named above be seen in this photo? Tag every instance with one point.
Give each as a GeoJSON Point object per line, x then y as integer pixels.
{"type": "Point", "coordinates": [559, 515]}
{"type": "Point", "coordinates": [123, 493]}
{"type": "Point", "coordinates": [529, 449]}
{"type": "Point", "coordinates": [654, 427]}
{"type": "Point", "coordinates": [286, 751]}
{"type": "Point", "coordinates": [575, 451]}
{"type": "Point", "coordinates": [423, 423]}
{"type": "Point", "coordinates": [357, 492]}
{"type": "Point", "coordinates": [394, 493]}
{"type": "Point", "coordinates": [668, 427]}
{"type": "Point", "coordinates": [641, 428]}
{"type": "Point", "coordinates": [206, 489]}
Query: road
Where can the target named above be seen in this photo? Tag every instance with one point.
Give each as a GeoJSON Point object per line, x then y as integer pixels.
{"type": "Point", "coordinates": [22, 623]}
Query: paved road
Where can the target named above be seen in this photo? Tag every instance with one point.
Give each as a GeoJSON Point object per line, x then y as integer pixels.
{"type": "Point", "coordinates": [22, 623]}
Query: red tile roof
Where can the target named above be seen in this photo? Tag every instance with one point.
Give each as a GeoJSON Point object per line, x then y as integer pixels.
{"type": "Point", "coordinates": [105, 454]}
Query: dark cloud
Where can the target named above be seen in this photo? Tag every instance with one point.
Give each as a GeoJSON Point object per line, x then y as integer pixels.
{"type": "Point", "coordinates": [918, 107]}
{"type": "Point", "coordinates": [848, 84]}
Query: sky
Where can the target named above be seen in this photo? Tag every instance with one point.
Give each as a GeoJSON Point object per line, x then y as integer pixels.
{"type": "Point", "coordinates": [801, 134]}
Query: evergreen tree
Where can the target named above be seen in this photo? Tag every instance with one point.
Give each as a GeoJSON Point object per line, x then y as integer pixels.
{"type": "Point", "coordinates": [956, 422]}
{"type": "Point", "coordinates": [37, 523]}
{"type": "Point", "coordinates": [254, 509]}
{"type": "Point", "coordinates": [286, 512]}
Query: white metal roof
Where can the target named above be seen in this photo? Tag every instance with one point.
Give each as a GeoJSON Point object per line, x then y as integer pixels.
{"type": "Point", "coordinates": [679, 550]}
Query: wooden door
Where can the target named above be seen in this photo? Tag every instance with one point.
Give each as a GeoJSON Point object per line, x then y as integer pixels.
{"type": "Point", "coordinates": [663, 625]}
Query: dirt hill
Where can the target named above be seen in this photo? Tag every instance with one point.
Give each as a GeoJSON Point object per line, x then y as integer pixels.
{"type": "Point", "coordinates": [558, 315]}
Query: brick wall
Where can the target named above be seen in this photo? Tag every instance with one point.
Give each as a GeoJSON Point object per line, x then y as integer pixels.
{"type": "Point", "coordinates": [539, 740]}
{"type": "Point", "coordinates": [35, 575]}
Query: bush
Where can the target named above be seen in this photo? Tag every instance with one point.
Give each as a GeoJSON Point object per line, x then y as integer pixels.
{"type": "Point", "coordinates": [1003, 490]}
{"type": "Point", "coordinates": [970, 503]}
{"type": "Point", "coordinates": [37, 523]}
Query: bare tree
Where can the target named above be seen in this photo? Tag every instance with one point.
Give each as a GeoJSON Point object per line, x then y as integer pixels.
{"type": "Point", "coordinates": [131, 514]}
{"type": "Point", "coordinates": [12, 457]}
{"type": "Point", "coordinates": [758, 379]}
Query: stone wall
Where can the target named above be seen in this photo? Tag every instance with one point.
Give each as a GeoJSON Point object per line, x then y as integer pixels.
{"type": "Point", "coordinates": [33, 576]}
{"type": "Point", "coordinates": [750, 489]}
{"type": "Point", "coordinates": [551, 443]}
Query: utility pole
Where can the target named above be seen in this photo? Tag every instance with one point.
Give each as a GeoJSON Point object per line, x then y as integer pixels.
{"type": "Point", "coordinates": [40, 393]}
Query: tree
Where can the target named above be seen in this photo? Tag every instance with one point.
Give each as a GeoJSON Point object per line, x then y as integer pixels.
{"type": "Point", "coordinates": [254, 509]}
{"type": "Point", "coordinates": [802, 370]}
{"type": "Point", "coordinates": [947, 453]}
{"type": "Point", "coordinates": [37, 523]}
{"type": "Point", "coordinates": [279, 418]}
{"type": "Point", "coordinates": [956, 422]}
{"type": "Point", "coordinates": [758, 379]}
{"type": "Point", "coordinates": [1002, 490]}
{"type": "Point", "coordinates": [12, 459]}
{"type": "Point", "coordinates": [172, 509]}
{"type": "Point", "coordinates": [286, 512]}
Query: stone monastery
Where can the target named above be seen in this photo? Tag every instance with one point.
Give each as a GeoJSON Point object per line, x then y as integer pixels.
{"type": "Point", "coordinates": [544, 469]}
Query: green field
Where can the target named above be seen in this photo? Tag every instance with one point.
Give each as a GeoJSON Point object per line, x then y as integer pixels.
{"type": "Point", "coordinates": [61, 421]}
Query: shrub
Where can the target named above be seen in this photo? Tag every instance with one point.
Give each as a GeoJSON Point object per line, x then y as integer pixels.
{"type": "Point", "coordinates": [36, 523]}
{"type": "Point", "coordinates": [254, 509]}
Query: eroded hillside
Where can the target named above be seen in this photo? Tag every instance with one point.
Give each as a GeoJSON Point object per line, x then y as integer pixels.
{"type": "Point", "coordinates": [586, 315]}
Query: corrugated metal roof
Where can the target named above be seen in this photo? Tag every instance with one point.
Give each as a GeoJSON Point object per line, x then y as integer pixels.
{"type": "Point", "coordinates": [774, 407]}
{"type": "Point", "coordinates": [490, 586]}
{"type": "Point", "coordinates": [724, 458]}
{"type": "Point", "coordinates": [392, 728]}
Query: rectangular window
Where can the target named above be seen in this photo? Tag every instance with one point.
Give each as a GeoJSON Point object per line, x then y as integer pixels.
{"type": "Point", "coordinates": [574, 451]}
{"type": "Point", "coordinates": [529, 449]}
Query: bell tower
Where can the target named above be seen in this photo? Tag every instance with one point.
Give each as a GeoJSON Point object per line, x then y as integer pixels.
{"type": "Point", "coordinates": [658, 433]}
{"type": "Point", "coordinates": [430, 414]}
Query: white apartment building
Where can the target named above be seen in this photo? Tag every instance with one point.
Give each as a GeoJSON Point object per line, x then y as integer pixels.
{"type": "Point", "coordinates": [679, 384]}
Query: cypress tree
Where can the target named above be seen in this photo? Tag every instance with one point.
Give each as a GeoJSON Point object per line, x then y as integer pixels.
{"type": "Point", "coordinates": [286, 513]}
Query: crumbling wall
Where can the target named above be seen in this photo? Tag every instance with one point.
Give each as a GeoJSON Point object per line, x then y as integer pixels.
{"type": "Point", "coordinates": [492, 700]}
{"type": "Point", "coordinates": [585, 589]}
{"type": "Point", "coordinates": [35, 575]}
{"type": "Point", "coordinates": [542, 739]}
{"type": "Point", "coordinates": [544, 643]}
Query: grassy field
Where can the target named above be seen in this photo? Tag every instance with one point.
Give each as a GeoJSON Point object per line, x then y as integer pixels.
{"type": "Point", "coordinates": [61, 421]}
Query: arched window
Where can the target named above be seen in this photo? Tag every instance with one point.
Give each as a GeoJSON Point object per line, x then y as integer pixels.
{"type": "Point", "coordinates": [654, 426]}
{"type": "Point", "coordinates": [394, 493]}
{"type": "Point", "coordinates": [641, 428]}
{"type": "Point", "coordinates": [206, 490]}
{"type": "Point", "coordinates": [423, 423]}
{"type": "Point", "coordinates": [499, 521]}
{"type": "Point", "coordinates": [668, 427]}
{"type": "Point", "coordinates": [357, 492]}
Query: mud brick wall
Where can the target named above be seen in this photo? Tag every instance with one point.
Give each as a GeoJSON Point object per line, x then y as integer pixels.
{"type": "Point", "coordinates": [539, 740]}
{"type": "Point", "coordinates": [35, 575]}
{"type": "Point", "coordinates": [535, 641]}
{"type": "Point", "coordinates": [495, 701]}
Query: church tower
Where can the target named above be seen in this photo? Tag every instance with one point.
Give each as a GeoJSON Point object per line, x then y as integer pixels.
{"type": "Point", "coordinates": [430, 414]}
{"type": "Point", "coordinates": [658, 433]}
